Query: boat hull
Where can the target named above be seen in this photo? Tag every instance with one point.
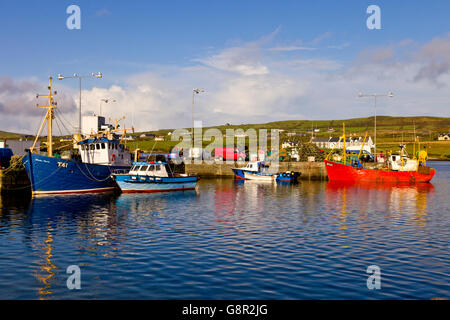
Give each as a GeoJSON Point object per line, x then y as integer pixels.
{"type": "Point", "coordinates": [53, 176]}
{"type": "Point", "coordinates": [343, 172]}
{"type": "Point", "coordinates": [238, 173]}
{"type": "Point", "coordinates": [147, 184]}
{"type": "Point", "coordinates": [258, 177]}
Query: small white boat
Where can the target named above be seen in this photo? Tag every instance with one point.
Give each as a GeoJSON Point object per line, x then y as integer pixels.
{"type": "Point", "coordinates": [259, 176]}
{"type": "Point", "coordinates": [260, 171]}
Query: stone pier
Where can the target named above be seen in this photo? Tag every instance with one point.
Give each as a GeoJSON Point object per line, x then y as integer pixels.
{"type": "Point", "coordinates": [309, 170]}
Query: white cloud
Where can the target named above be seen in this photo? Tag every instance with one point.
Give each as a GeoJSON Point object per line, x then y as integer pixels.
{"type": "Point", "coordinates": [249, 84]}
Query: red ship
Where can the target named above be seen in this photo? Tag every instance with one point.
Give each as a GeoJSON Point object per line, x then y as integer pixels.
{"type": "Point", "coordinates": [381, 168]}
{"type": "Point", "coordinates": [348, 172]}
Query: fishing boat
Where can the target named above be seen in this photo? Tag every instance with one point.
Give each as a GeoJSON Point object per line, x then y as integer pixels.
{"type": "Point", "coordinates": [389, 167]}
{"type": "Point", "coordinates": [154, 177]}
{"type": "Point", "coordinates": [259, 170]}
{"type": "Point", "coordinates": [87, 169]}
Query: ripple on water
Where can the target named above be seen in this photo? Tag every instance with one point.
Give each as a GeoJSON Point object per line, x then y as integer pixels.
{"type": "Point", "coordinates": [231, 240]}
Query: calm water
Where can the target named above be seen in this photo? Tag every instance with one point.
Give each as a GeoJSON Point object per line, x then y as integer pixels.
{"type": "Point", "coordinates": [231, 240]}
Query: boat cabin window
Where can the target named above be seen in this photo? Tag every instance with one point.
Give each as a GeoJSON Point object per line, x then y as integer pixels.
{"type": "Point", "coordinates": [152, 168]}
{"type": "Point", "coordinates": [143, 168]}
{"type": "Point", "coordinates": [103, 145]}
{"type": "Point", "coordinates": [157, 167]}
{"type": "Point", "coordinates": [92, 146]}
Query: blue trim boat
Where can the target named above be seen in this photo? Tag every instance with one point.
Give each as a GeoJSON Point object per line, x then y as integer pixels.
{"type": "Point", "coordinates": [154, 177]}
{"type": "Point", "coordinates": [260, 171]}
{"type": "Point", "coordinates": [87, 169]}
{"type": "Point", "coordinates": [50, 175]}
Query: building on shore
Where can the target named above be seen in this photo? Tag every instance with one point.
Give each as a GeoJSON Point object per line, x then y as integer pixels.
{"type": "Point", "coordinates": [444, 137]}
{"type": "Point", "coordinates": [19, 147]}
{"type": "Point", "coordinates": [351, 144]}
{"type": "Point", "coordinates": [289, 144]}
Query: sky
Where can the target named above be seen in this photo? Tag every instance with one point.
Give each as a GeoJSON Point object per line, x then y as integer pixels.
{"type": "Point", "coordinates": [258, 61]}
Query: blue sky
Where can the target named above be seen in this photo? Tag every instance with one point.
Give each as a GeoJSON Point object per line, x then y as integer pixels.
{"type": "Point", "coordinates": [152, 53]}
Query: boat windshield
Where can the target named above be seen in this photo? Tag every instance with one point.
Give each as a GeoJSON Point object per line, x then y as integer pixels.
{"type": "Point", "coordinates": [143, 168]}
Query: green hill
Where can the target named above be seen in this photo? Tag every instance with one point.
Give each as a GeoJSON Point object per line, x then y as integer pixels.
{"type": "Point", "coordinates": [387, 127]}
{"type": "Point", "coordinates": [10, 135]}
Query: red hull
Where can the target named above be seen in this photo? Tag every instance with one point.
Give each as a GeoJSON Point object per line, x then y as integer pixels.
{"type": "Point", "coordinates": [342, 172]}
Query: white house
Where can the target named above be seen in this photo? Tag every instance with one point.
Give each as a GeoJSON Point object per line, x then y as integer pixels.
{"type": "Point", "coordinates": [289, 144]}
{"type": "Point", "coordinates": [351, 144]}
{"type": "Point", "coordinates": [444, 137]}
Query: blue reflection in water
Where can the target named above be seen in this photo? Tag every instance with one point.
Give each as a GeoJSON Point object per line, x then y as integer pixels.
{"type": "Point", "coordinates": [231, 240]}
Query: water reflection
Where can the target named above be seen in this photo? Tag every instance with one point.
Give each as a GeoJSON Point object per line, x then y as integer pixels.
{"type": "Point", "coordinates": [394, 201]}
{"type": "Point", "coordinates": [226, 239]}
{"type": "Point", "coordinates": [46, 266]}
{"type": "Point", "coordinates": [91, 221]}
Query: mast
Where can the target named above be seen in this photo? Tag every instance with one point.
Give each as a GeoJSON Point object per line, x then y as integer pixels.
{"type": "Point", "coordinates": [343, 136]}
{"type": "Point", "coordinates": [48, 118]}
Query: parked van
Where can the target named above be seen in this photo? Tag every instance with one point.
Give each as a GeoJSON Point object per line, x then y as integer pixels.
{"type": "Point", "coordinates": [231, 154]}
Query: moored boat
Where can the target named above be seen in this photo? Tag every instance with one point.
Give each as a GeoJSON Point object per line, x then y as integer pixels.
{"type": "Point", "coordinates": [260, 171]}
{"type": "Point", "coordinates": [87, 169]}
{"type": "Point", "coordinates": [153, 177]}
{"type": "Point", "coordinates": [396, 168]}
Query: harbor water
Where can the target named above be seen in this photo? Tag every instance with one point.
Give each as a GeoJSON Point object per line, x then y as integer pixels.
{"type": "Point", "coordinates": [232, 240]}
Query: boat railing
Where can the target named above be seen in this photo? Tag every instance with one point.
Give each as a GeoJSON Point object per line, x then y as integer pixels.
{"type": "Point", "coordinates": [120, 171]}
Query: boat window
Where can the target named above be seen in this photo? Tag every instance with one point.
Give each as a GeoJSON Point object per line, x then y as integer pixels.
{"type": "Point", "coordinates": [132, 168]}
{"type": "Point", "coordinates": [92, 146]}
{"type": "Point", "coordinates": [103, 145]}
{"type": "Point", "coordinates": [157, 167]}
{"type": "Point", "coordinates": [143, 168]}
{"type": "Point", "coordinates": [151, 168]}
{"type": "Point", "coordinates": [97, 145]}
{"type": "Point", "coordinates": [115, 146]}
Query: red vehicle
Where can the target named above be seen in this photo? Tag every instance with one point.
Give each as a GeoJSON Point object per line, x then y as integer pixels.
{"type": "Point", "coordinates": [230, 154]}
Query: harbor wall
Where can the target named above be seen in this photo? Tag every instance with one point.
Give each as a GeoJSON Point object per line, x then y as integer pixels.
{"type": "Point", "coordinates": [309, 170]}
{"type": "Point", "coordinates": [14, 181]}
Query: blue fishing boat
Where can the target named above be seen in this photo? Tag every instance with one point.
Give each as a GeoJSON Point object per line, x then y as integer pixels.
{"type": "Point", "coordinates": [154, 177]}
{"type": "Point", "coordinates": [259, 170]}
{"type": "Point", "coordinates": [86, 169]}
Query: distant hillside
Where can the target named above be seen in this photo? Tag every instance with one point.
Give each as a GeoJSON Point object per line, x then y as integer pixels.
{"type": "Point", "coordinates": [11, 135]}
{"type": "Point", "coordinates": [386, 126]}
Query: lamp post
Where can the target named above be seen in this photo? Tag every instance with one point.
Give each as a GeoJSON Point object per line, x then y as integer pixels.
{"type": "Point", "coordinates": [76, 76]}
{"type": "Point", "coordinates": [194, 92]}
{"type": "Point", "coordinates": [375, 95]}
{"type": "Point", "coordinates": [106, 100]}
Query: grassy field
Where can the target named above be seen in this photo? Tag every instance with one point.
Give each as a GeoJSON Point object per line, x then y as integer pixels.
{"type": "Point", "coordinates": [391, 131]}
{"type": "Point", "coordinates": [437, 150]}
{"type": "Point", "coordinates": [10, 135]}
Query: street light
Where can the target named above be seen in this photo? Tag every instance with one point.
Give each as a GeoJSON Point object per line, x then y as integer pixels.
{"type": "Point", "coordinates": [375, 95]}
{"type": "Point", "coordinates": [194, 92]}
{"type": "Point", "coordinates": [106, 100]}
{"type": "Point", "coordinates": [76, 76]}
